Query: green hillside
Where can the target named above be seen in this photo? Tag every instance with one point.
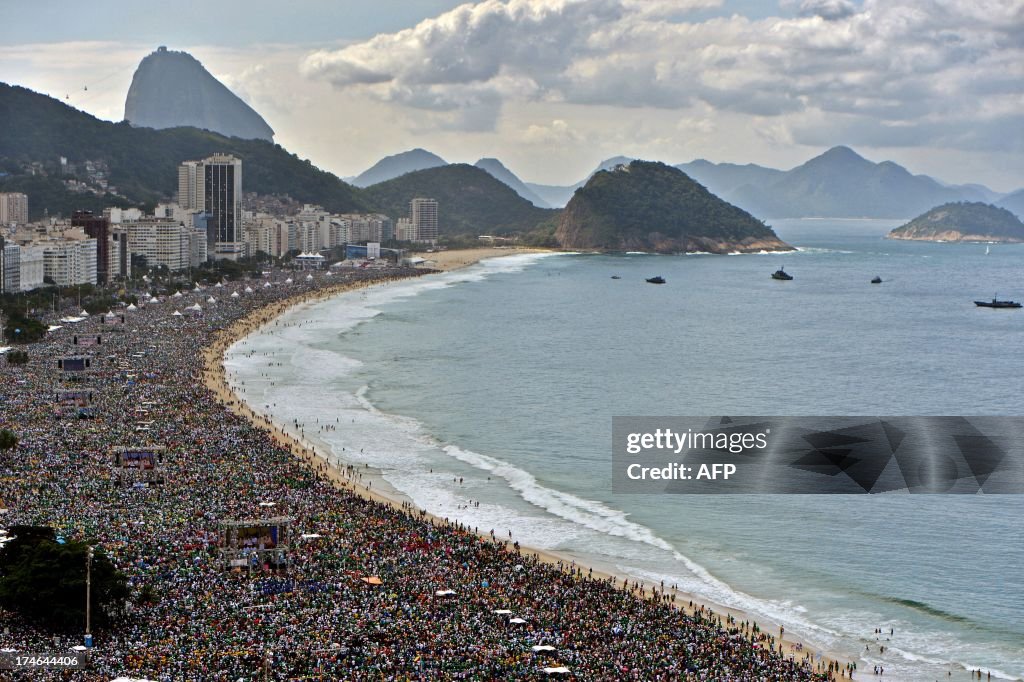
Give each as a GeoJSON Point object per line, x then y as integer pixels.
{"type": "Point", "coordinates": [649, 206]}
{"type": "Point", "coordinates": [963, 221]}
{"type": "Point", "coordinates": [470, 200]}
{"type": "Point", "coordinates": [142, 162]}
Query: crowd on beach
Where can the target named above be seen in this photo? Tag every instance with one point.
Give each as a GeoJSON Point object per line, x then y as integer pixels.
{"type": "Point", "coordinates": [367, 591]}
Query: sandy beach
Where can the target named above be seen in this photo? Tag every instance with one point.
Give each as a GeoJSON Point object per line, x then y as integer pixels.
{"type": "Point", "coordinates": [216, 380]}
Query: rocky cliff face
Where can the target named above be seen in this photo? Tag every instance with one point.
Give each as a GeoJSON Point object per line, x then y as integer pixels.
{"type": "Point", "coordinates": [172, 89]}
{"type": "Point", "coordinates": [653, 207]}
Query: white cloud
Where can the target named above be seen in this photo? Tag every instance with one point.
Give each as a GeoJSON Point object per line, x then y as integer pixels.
{"type": "Point", "coordinates": [902, 65]}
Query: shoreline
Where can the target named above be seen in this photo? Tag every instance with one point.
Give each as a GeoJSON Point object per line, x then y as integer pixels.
{"type": "Point", "coordinates": [215, 378]}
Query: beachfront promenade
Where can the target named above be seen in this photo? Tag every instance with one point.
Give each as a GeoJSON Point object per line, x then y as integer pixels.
{"type": "Point", "coordinates": [319, 619]}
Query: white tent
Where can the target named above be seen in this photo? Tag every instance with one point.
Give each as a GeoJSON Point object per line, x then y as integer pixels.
{"type": "Point", "coordinates": [194, 306]}
{"type": "Point", "coordinates": [211, 300]}
{"type": "Point", "coordinates": [288, 281]}
{"type": "Point", "coordinates": [327, 274]}
{"type": "Point", "coordinates": [176, 313]}
{"type": "Point", "coordinates": [266, 285]}
{"type": "Point", "coordinates": [132, 306]}
{"type": "Point", "coordinates": [309, 278]}
{"type": "Point", "coordinates": [234, 294]}
{"type": "Point", "coordinates": [177, 294]}
{"type": "Point", "coordinates": [82, 313]}
{"type": "Point", "coordinates": [248, 290]}
{"type": "Point", "coordinates": [154, 299]}
{"type": "Point", "coordinates": [218, 285]}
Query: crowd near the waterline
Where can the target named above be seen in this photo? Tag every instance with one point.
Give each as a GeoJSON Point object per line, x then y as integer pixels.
{"type": "Point", "coordinates": [443, 603]}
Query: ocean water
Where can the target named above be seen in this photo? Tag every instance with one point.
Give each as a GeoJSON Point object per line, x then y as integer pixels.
{"type": "Point", "coordinates": [497, 384]}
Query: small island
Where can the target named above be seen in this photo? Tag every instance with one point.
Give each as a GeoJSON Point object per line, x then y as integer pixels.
{"type": "Point", "coordinates": [647, 206]}
{"type": "Point", "coordinates": [963, 222]}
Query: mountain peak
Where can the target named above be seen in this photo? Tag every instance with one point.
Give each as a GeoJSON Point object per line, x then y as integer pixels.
{"type": "Point", "coordinates": [171, 89]}
{"type": "Point", "coordinates": [500, 172]}
{"type": "Point", "coordinates": [841, 154]}
{"type": "Point", "coordinates": [398, 164]}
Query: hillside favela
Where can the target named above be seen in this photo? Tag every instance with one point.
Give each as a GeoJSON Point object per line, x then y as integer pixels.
{"type": "Point", "coordinates": [613, 340]}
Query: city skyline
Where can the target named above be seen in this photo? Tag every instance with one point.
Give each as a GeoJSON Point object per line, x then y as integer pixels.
{"type": "Point", "coordinates": [552, 87]}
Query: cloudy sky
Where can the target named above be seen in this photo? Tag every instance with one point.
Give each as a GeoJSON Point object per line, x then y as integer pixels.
{"type": "Point", "coordinates": [551, 87]}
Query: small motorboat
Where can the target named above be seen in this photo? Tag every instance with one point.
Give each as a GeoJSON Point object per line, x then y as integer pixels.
{"type": "Point", "coordinates": [782, 274]}
{"type": "Point", "coordinates": [876, 280]}
{"type": "Point", "coordinates": [616, 277]}
{"type": "Point", "coordinates": [996, 303]}
{"type": "Point", "coordinates": [656, 280]}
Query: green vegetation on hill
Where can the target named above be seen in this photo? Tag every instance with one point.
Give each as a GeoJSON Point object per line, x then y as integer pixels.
{"type": "Point", "coordinates": [963, 221]}
{"type": "Point", "coordinates": [649, 206]}
{"type": "Point", "coordinates": [470, 200]}
{"type": "Point", "coordinates": [143, 162]}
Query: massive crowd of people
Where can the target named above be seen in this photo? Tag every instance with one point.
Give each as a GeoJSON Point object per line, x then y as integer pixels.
{"type": "Point", "coordinates": [369, 591]}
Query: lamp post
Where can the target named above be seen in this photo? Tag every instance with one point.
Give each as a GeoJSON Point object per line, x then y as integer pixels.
{"type": "Point", "coordinates": [88, 597]}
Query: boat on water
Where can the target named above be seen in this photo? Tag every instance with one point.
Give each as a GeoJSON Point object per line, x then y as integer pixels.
{"type": "Point", "coordinates": [616, 277]}
{"type": "Point", "coordinates": [782, 274]}
{"type": "Point", "coordinates": [876, 280]}
{"type": "Point", "coordinates": [996, 303]}
{"type": "Point", "coordinates": [656, 280]}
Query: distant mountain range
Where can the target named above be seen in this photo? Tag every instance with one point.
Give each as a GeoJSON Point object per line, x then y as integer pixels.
{"type": "Point", "coordinates": [649, 206]}
{"type": "Point", "coordinates": [172, 89]}
{"type": "Point", "coordinates": [837, 184]}
{"type": "Point", "coordinates": [965, 221]}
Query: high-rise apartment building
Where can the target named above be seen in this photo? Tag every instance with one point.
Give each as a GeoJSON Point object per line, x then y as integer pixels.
{"type": "Point", "coordinates": [190, 186]}
{"type": "Point", "coordinates": [214, 186]}
{"type": "Point", "coordinates": [13, 208]}
{"type": "Point", "coordinates": [98, 228]}
{"type": "Point", "coordinates": [424, 218]}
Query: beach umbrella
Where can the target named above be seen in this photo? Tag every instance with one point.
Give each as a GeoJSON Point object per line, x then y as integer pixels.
{"type": "Point", "coordinates": [154, 299]}
{"type": "Point", "coordinates": [310, 536]}
{"type": "Point", "coordinates": [267, 504]}
{"type": "Point", "coordinates": [266, 285]}
{"type": "Point", "coordinates": [132, 306]}
{"type": "Point", "coordinates": [561, 670]}
{"type": "Point", "coordinates": [288, 281]}
{"type": "Point", "coordinates": [177, 294]}
{"type": "Point", "coordinates": [234, 294]}
{"type": "Point", "coordinates": [502, 612]}
{"type": "Point", "coordinates": [543, 647]}
{"type": "Point", "coordinates": [211, 300]}
{"type": "Point", "coordinates": [517, 621]}
{"type": "Point", "coordinates": [309, 278]}
{"type": "Point", "coordinates": [444, 593]}
{"type": "Point", "coordinates": [218, 285]}
{"type": "Point", "coordinates": [248, 290]}
{"type": "Point", "coordinates": [176, 313]}
{"type": "Point", "coordinates": [327, 274]}
{"type": "Point", "coordinates": [83, 313]}
{"type": "Point", "coordinates": [372, 580]}
{"type": "Point", "coordinates": [194, 306]}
